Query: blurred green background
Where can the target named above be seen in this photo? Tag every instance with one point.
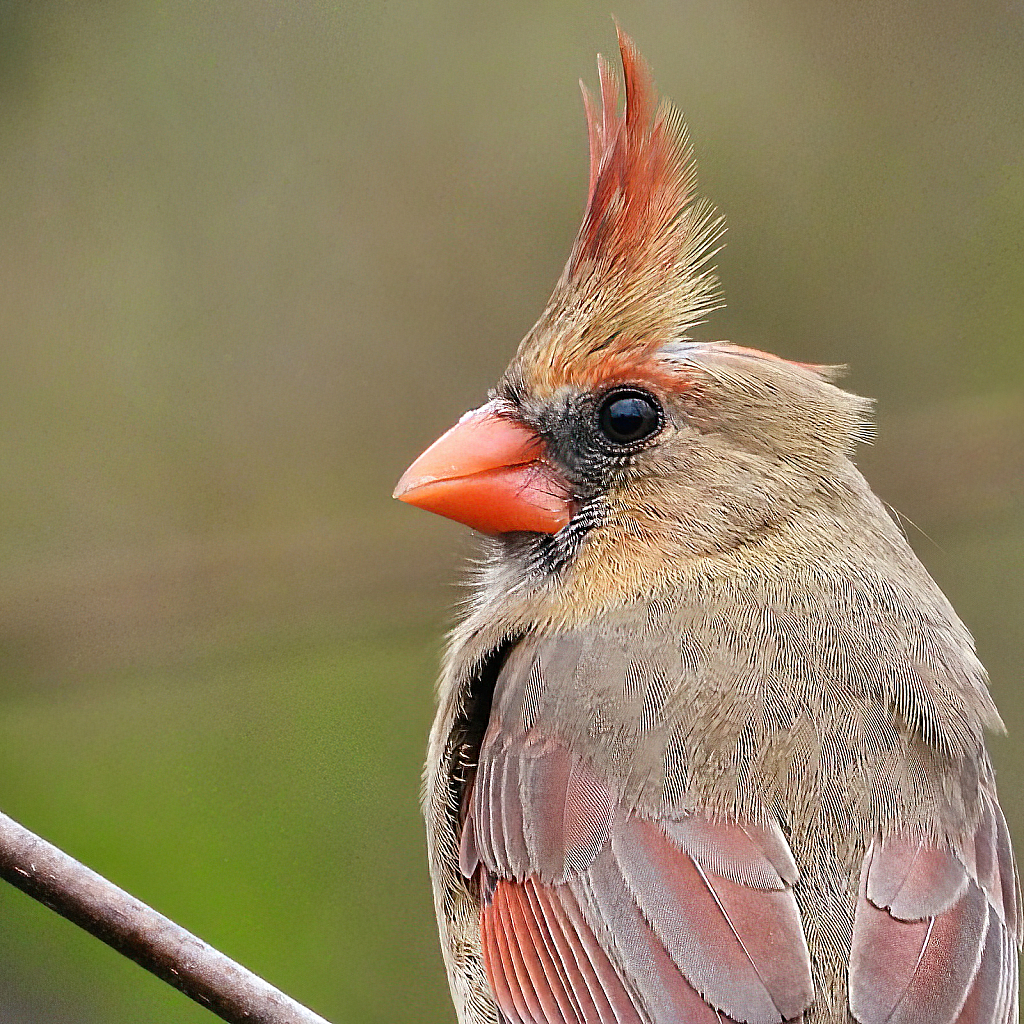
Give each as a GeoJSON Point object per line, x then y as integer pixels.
{"type": "Point", "coordinates": [255, 255]}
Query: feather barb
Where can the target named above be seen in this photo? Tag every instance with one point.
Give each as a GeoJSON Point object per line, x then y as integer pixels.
{"type": "Point", "coordinates": [638, 276]}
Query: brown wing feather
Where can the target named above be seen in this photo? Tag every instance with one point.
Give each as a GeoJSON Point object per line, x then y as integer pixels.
{"type": "Point", "coordinates": [936, 935]}
{"type": "Point", "coordinates": [593, 915]}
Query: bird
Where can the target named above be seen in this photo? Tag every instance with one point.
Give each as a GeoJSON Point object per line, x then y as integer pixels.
{"type": "Point", "coordinates": [710, 742]}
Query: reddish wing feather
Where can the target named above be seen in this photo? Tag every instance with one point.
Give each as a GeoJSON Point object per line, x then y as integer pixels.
{"type": "Point", "coordinates": [741, 947]}
{"type": "Point", "coordinates": [596, 915]}
{"type": "Point", "coordinates": [936, 939]}
{"type": "Point", "coordinates": [666, 993]}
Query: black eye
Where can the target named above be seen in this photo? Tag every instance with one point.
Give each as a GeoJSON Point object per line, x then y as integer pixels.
{"type": "Point", "coordinates": [626, 416]}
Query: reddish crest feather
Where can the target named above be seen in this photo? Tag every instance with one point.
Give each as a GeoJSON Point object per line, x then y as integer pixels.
{"type": "Point", "coordinates": [638, 274]}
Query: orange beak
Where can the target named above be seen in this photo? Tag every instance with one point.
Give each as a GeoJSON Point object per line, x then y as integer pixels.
{"type": "Point", "coordinates": [487, 472]}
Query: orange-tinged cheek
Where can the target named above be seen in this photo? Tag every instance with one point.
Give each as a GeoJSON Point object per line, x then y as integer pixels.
{"type": "Point", "coordinates": [504, 500]}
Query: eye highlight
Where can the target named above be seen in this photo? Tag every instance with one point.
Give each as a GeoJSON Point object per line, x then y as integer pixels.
{"type": "Point", "coordinates": [627, 416]}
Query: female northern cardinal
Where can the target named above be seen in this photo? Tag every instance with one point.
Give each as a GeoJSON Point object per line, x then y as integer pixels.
{"type": "Point", "coordinates": [710, 739]}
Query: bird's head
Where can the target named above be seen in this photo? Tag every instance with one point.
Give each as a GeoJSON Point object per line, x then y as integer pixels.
{"type": "Point", "coordinates": [614, 445]}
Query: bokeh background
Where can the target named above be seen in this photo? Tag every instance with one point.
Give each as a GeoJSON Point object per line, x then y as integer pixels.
{"type": "Point", "coordinates": [255, 254]}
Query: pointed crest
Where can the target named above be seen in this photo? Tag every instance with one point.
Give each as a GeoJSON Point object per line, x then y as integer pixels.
{"type": "Point", "coordinates": [638, 275]}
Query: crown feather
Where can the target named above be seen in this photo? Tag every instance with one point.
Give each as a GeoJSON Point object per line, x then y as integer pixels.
{"type": "Point", "coordinates": [638, 275]}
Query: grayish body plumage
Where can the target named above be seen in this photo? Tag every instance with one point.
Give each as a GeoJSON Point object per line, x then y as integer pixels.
{"type": "Point", "coordinates": [788, 661]}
